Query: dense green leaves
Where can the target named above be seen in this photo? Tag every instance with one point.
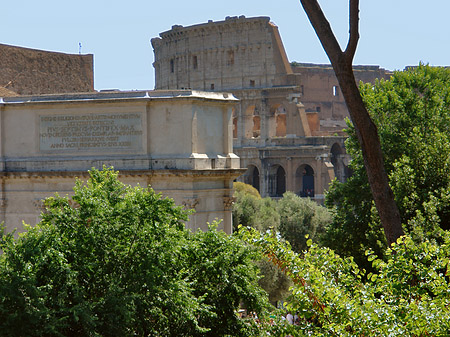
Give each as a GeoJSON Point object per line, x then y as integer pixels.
{"type": "Point", "coordinates": [408, 294]}
{"type": "Point", "coordinates": [412, 113]}
{"type": "Point", "coordinates": [117, 261]}
{"type": "Point", "coordinates": [300, 217]}
{"type": "Point", "coordinates": [292, 216]}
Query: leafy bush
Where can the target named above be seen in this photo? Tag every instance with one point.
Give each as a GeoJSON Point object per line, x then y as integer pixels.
{"type": "Point", "coordinates": [292, 216]}
{"type": "Point", "coordinates": [408, 293]}
{"type": "Point", "coordinates": [300, 217]}
{"type": "Point", "coordinates": [412, 114]}
{"type": "Point", "coordinates": [117, 261]}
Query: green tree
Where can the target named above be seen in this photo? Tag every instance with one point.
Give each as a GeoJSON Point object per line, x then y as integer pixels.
{"type": "Point", "coordinates": [292, 216]}
{"type": "Point", "coordinates": [251, 210]}
{"type": "Point", "coordinates": [117, 261]}
{"type": "Point", "coordinates": [412, 113]}
{"type": "Point", "coordinates": [408, 294]}
{"type": "Point", "coordinates": [299, 217]}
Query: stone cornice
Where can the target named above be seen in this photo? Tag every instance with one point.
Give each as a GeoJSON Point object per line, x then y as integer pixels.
{"type": "Point", "coordinates": [115, 96]}
{"type": "Point", "coordinates": [216, 173]}
{"type": "Point", "coordinates": [229, 23]}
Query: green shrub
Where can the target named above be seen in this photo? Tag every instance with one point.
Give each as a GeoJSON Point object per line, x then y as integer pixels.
{"type": "Point", "coordinates": [408, 294]}
{"type": "Point", "coordinates": [117, 261]}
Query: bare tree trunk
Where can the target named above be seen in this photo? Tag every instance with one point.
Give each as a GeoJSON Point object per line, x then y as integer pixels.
{"type": "Point", "coordinates": [366, 130]}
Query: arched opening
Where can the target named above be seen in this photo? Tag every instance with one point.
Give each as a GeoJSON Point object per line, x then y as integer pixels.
{"type": "Point", "coordinates": [277, 181]}
{"type": "Point", "coordinates": [251, 177]}
{"type": "Point", "coordinates": [278, 115]}
{"type": "Point", "coordinates": [248, 121]}
{"type": "Point", "coordinates": [281, 125]}
{"type": "Point", "coordinates": [256, 126]}
{"type": "Point", "coordinates": [338, 166]}
{"type": "Point", "coordinates": [304, 181]}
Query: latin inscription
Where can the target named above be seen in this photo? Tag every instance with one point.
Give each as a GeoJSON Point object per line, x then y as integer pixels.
{"type": "Point", "coordinates": [91, 132]}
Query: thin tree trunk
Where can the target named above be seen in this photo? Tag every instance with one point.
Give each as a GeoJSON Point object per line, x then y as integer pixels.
{"type": "Point", "coordinates": [366, 130]}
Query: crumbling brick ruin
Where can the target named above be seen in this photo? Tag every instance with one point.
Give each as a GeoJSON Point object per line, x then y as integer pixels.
{"type": "Point", "coordinates": [27, 71]}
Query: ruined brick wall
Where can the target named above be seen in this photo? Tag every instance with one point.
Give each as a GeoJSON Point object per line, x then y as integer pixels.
{"type": "Point", "coordinates": [321, 93]}
{"type": "Point", "coordinates": [33, 72]}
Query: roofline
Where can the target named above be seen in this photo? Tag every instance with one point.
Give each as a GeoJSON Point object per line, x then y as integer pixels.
{"type": "Point", "coordinates": [119, 96]}
{"type": "Point", "coordinates": [211, 23]}
{"type": "Point", "coordinates": [42, 50]}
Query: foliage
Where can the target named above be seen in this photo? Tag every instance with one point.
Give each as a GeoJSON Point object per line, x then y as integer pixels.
{"type": "Point", "coordinates": [299, 217]}
{"type": "Point", "coordinates": [117, 261]}
{"type": "Point", "coordinates": [273, 281]}
{"type": "Point", "coordinates": [408, 293]}
{"type": "Point", "coordinates": [247, 206]}
{"type": "Point", "coordinates": [412, 113]}
{"type": "Point", "coordinates": [223, 275]}
{"type": "Point", "coordinates": [293, 216]}
{"type": "Point", "coordinates": [243, 188]}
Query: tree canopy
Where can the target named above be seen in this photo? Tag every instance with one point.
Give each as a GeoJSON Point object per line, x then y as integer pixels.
{"type": "Point", "coordinates": [412, 114]}
{"type": "Point", "coordinates": [113, 260]}
{"type": "Point", "coordinates": [407, 294]}
{"type": "Point", "coordinates": [293, 216]}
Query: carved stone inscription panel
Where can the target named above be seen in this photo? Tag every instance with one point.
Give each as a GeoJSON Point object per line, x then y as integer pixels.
{"type": "Point", "coordinates": [90, 132]}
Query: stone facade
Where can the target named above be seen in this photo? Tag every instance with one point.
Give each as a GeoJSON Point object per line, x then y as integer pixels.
{"type": "Point", "coordinates": [33, 72]}
{"type": "Point", "coordinates": [284, 143]}
{"type": "Point", "coordinates": [218, 56]}
{"type": "Point", "coordinates": [321, 93]}
{"type": "Point", "coordinates": [179, 142]}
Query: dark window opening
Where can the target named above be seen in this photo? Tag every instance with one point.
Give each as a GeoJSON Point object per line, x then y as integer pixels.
{"type": "Point", "coordinates": [252, 83]}
{"type": "Point", "coordinates": [212, 86]}
{"type": "Point", "coordinates": [307, 181]}
{"type": "Point", "coordinates": [277, 182]}
{"type": "Point", "coordinates": [252, 177]}
{"type": "Point", "coordinates": [230, 59]}
{"type": "Point", "coordinates": [194, 62]}
{"type": "Point", "coordinates": [172, 66]}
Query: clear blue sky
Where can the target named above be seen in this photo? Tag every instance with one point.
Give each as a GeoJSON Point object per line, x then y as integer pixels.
{"type": "Point", "coordinates": [394, 33]}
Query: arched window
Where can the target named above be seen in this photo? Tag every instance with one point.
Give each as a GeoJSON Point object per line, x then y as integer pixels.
{"type": "Point", "coordinates": [256, 126]}
{"type": "Point", "coordinates": [281, 125]}
{"type": "Point", "coordinates": [277, 181]}
{"type": "Point", "coordinates": [304, 181]}
{"type": "Point", "coordinates": [279, 118]}
{"type": "Point", "coordinates": [248, 121]}
{"type": "Point", "coordinates": [251, 177]}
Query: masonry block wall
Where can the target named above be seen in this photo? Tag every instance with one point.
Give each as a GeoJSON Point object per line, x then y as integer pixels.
{"type": "Point", "coordinates": [33, 72]}
{"type": "Point", "coordinates": [236, 53]}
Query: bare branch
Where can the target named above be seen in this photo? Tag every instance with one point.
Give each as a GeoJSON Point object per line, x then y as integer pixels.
{"type": "Point", "coordinates": [354, 30]}
{"type": "Point", "coordinates": [366, 130]}
{"type": "Point", "coordinates": [322, 28]}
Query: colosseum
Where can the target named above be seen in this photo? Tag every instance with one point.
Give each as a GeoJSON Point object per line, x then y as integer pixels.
{"type": "Point", "coordinates": [288, 125]}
